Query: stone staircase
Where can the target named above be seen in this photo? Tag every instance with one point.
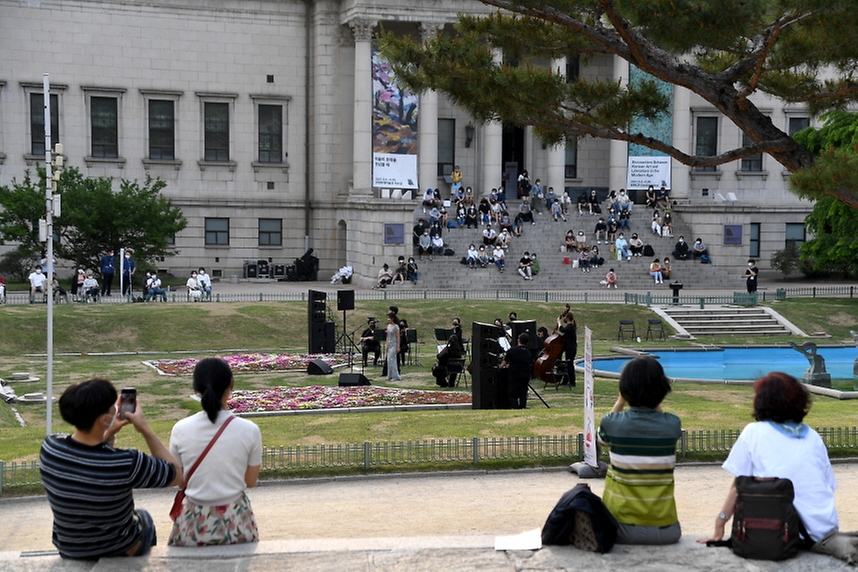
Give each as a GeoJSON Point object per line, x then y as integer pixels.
{"type": "Point", "coordinates": [545, 238]}
{"type": "Point", "coordinates": [727, 321]}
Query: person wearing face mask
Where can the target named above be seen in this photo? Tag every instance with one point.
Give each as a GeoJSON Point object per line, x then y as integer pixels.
{"type": "Point", "coordinates": [128, 269]}
{"type": "Point", "coordinates": [751, 274]}
{"type": "Point", "coordinates": [37, 280]}
{"type": "Point", "coordinates": [681, 250]}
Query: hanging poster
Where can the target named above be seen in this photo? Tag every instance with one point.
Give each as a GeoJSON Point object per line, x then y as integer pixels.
{"type": "Point", "coordinates": [590, 456]}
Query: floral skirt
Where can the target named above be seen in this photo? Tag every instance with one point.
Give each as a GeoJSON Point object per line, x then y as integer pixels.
{"type": "Point", "coordinates": [211, 525]}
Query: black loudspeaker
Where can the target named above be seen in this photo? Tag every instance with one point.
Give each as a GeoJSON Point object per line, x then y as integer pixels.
{"type": "Point", "coordinates": [528, 327]}
{"type": "Point", "coordinates": [488, 381]}
{"type": "Point", "coordinates": [345, 300]}
{"type": "Point", "coordinates": [323, 338]}
{"type": "Point", "coordinates": [317, 332]}
{"type": "Point", "coordinates": [353, 379]}
{"type": "Point", "coordinates": [318, 367]}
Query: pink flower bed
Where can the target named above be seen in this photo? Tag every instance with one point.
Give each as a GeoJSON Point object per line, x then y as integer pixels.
{"type": "Point", "coordinates": [325, 397]}
{"type": "Point", "coordinates": [252, 362]}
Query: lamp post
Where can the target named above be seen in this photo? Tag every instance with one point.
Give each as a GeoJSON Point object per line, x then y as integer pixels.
{"type": "Point", "coordinates": [53, 158]}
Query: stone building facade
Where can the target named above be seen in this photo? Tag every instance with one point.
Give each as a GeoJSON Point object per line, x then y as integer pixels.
{"type": "Point", "coordinates": [257, 114]}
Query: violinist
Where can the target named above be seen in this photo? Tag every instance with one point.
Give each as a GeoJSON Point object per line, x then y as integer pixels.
{"type": "Point", "coordinates": [568, 330]}
{"type": "Point", "coordinates": [453, 350]}
{"type": "Point", "coordinates": [504, 335]}
{"type": "Point", "coordinates": [369, 343]}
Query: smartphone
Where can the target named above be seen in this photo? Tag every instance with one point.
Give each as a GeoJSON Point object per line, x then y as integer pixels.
{"type": "Point", "coordinates": [127, 401]}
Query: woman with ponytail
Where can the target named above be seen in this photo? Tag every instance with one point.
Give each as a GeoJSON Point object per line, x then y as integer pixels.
{"type": "Point", "coordinates": [216, 509]}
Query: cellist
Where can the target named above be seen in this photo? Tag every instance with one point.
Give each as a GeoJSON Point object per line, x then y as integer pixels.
{"type": "Point", "coordinates": [568, 330]}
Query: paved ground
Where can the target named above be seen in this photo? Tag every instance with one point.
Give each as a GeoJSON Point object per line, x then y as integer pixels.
{"type": "Point", "coordinates": [416, 522]}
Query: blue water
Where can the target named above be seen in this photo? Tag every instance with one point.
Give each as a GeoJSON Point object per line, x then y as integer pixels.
{"type": "Point", "coordinates": [741, 363]}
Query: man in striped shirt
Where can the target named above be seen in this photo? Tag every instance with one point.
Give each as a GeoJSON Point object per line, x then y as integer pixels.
{"type": "Point", "coordinates": [89, 483]}
{"type": "Point", "coordinates": [639, 484]}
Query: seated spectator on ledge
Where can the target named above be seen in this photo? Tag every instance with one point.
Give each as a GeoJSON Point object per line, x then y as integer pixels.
{"type": "Point", "coordinates": [681, 250]}
{"type": "Point", "coordinates": [385, 276]}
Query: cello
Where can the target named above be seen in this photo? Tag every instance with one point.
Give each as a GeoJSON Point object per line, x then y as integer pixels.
{"type": "Point", "coordinates": [553, 347]}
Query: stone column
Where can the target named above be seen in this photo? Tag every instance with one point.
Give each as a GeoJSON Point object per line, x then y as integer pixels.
{"type": "Point", "coordinates": [555, 169]}
{"type": "Point", "coordinates": [619, 150]}
{"type": "Point", "coordinates": [428, 126]}
{"type": "Point", "coordinates": [492, 147]}
{"type": "Point", "coordinates": [362, 132]}
{"type": "Point", "coordinates": [679, 173]}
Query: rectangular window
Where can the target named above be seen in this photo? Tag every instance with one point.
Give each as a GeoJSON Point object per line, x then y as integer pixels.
{"type": "Point", "coordinates": [216, 131]}
{"type": "Point", "coordinates": [37, 122]}
{"type": "Point", "coordinates": [217, 231]}
{"type": "Point", "coordinates": [794, 235]}
{"type": "Point", "coordinates": [570, 169]}
{"type": "Point", "coordinates": [270, 232]}
{"type": "Point", "coordinates": [707, 140]}
{"type": "Point", "coordinates": [105, 127]}
{"type": "Point", "coordinates": [754, 163]}
{"type": "Point", "coordinates": [270, 133]}
{"type": "Point", "coordinates": [796, 124]}
{"type": "Point", "coordinates": [446, 146]}
{"type": "Point", "coordinates": [754, 240]}
{"type": "Point", "coordinates": [162, 129]}
{"type": "Point", "coordinates": [573, 68]}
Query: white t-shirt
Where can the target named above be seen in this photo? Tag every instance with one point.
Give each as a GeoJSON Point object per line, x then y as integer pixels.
{"type": "Point", "coordinates": [38, 279]}
{"type": "Point", "coordinates": [219, 479]}
{"type": "Point", "coordinates": [764, 451]}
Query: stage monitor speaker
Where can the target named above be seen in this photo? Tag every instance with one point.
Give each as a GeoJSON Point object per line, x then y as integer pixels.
{"type": "Point", "coordinates": [345, 300]}
{"type": "Point", "coordinates": [318, 367]}
{"type": "Point", "coordinates": [353, 379]}
{"type": "Point", "coordinates": [528, 327]}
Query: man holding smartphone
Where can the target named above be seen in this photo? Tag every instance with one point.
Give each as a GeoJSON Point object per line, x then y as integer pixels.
{"type": "Point", "coordinates": [89, 483]}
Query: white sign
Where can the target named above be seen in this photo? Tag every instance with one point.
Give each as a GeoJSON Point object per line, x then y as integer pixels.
{"type": "Point", "coordinates": [394, 171]}
{"type": "Point", "coordinates": [590, 456]}
{"type": "Point", "coordinates": [646, 171]}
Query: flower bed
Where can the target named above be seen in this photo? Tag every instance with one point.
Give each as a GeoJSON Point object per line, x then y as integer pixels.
{"type": "Point", "coordinates": [325, 397]}
{"type": "Point", "coordinates": [241, 363]}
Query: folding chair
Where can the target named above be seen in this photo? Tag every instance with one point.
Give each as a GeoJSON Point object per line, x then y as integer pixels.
{"type": "Point", "coordinates": [655, 329]}
{"type": "Point", "coordinates": [626, 327]}
{"type": "Point", "coordinates": [457, 366]}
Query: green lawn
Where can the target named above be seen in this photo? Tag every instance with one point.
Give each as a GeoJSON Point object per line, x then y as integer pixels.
{"type": "Point", "coordinates": [210, 329]}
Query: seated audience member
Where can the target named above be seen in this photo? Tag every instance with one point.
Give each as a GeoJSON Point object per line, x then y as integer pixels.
{"type": "Point", "coordinates": [666, 268]}
{"type": "Point", "coordinates": [639, 484]}
{"type": "Point", "coordinates": [681, 250]}
{"type": "Point", "coordinates": [624, 201]}
{"type": "Point", "coordinates": [537, 195]}
{"type": "Point", "coordinates": [496, 209]}
{"type": "Point", "coordinates": [435, 229]}
{"type": "Point", "coordinates": [489, 235]}
{"type": "Point", "coordinates": [622, 249]}
{"type": "Point", "coordinates": [38, 283]}
{"type": "Point", "coordinates": [504, 239]}
{"type": "Point", "coordinates": [216, 510]}
{"type": "Point", "coordinates": [655, 271]}
{"type": "Point", "coordinates": [698, 249]}
{"type": "Point", "coordinates": [471, 216]}
{"type": "Point", "coordinates": [534, 264]}
{"type": "Point", "coordinates": [194, 291]}
{"type": "Point", "coordinates": [636, 245]}
{"type": "Point", "coordinates": [580, 240]}
{"type": "Point", "coordinates": [499, 257]}
{"type": "Point", "coordinates": [662, 199]}
{"type": "Point", "coordinates": [505, 222]}
{"type": "Point", "coordinates": [611, 279]}
{"type": "Point", "coordinates": [613, 229]}
{"type": "Point", "coordinates": [584, 203]}
{"type": "Point", "coordinates": [780, 444]}
{"type": "Point", "coordinates": [601, 231]}
{"type": "Point", "coordinates": [650, 197]}
{"type": "Point", "coordinates": [584, 259]}
{"type": "Point", "coordinates": [417, 232]}
{"type": "Point", "coordinates": [206, 281]}
{"type": "Point", "coordinates": [412, 270]}
{"type": "Point", "coordinates": [525, 265]}
{"type": "Point", "coordinates": [401, 270]}
{"type": "Point", "coordinates": [428, 199]}
{"type": "Point", "coordinates": [385, 276]}
{"type": "Point", "coordinates": [566, 201]}
{"type": "Point", "coordinates": [472, 257]}
{"type": "Point", "coordinates": [557, 211]}
{"type": "Point", "coordinates": [667, 225]}
{"type": "Point", "coordinates": [525, 211]}
{"type": "Point", "coordinates": [551, 198]}
{"type": "Point", "coordinates": [425, 245]}
{"type": "Point", "coordinates": [596, 259]}
{"type": "Point", "coordinates": [484, 211]}
{"type": "Point", "coordinates": [89, 482]}
{"type": "Point", "coordinates": [444, 219]}
{"type": "Point", "coordinates": [655, 225]}
{"type": "Point", "coordinates": [155, 290]}
{"type": "Point", "coordinates": [452, 350]}
{"type": "Point", "coordinates": [91, 290]}
{"type": "Point", "coordinates": [437, 245]}
{"type": "Point", "coordinates": [593, 199]}
{"type": "Point", "coordinates": [434, 215]}
{"type": "Point", "coordinates": [59, 292]}
{"type": "Point", "coordinates": [569, 241]}
{"type": "Point", "coordinates": [624, 220]}
{"type": "Point", "coordinates": [369, 343]}
{"type": "Point", "coordinates": [483, 256]}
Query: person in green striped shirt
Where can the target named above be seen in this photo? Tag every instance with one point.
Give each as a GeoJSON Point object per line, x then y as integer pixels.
{"type": "Point", "coordinates": [642, 440]}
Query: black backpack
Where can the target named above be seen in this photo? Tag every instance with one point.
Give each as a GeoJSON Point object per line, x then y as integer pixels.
{"type": "Point", "coordinates": [766, 525]}
{"type": "Point", "coordinates": [648, 250]}
{"type": "Point", "coordinates": [579, 518]}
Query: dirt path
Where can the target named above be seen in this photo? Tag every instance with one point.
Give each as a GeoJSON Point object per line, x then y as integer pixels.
{"type": "Point", "coordinates": [418, 505]}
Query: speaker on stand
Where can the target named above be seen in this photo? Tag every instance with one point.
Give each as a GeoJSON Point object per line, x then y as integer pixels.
{"type": "Point", "coordinates": [321, 336]}
{"type": "Point", "coordinates": [488, 381]}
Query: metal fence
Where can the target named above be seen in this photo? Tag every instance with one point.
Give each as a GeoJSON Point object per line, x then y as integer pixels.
{"type": "Point", "coordinates": [412, 455]}
{"type": "Point", "coordinates": [575, 297]}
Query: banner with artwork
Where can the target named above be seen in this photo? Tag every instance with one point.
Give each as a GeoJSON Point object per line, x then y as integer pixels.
{"type": "Point", "coordinates": [648, 166]}
{"type": "Point", "coordinates": [590, 453]}
{"type": "Point", "coordinates": [394, 129]}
